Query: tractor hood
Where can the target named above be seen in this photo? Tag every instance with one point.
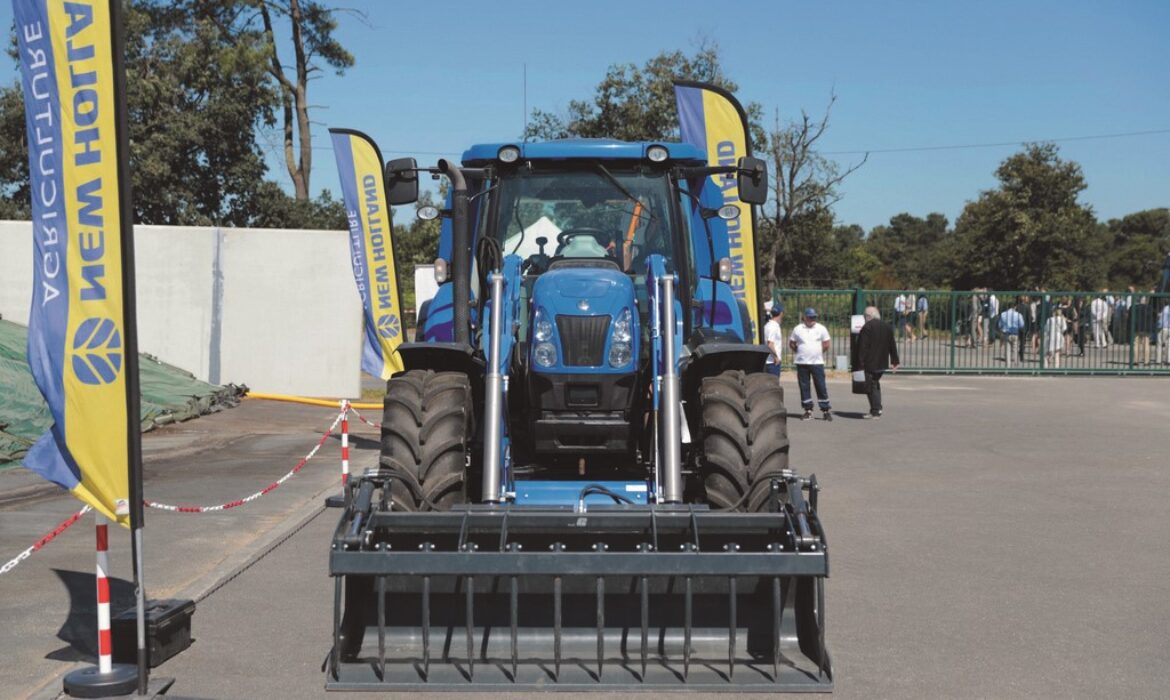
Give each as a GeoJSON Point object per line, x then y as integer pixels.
{"type": "Point", "coordinates": [584, 291]}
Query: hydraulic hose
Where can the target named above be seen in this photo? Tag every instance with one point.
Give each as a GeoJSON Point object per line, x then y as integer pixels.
{"type": "Point", "coordinates": [332, 403]}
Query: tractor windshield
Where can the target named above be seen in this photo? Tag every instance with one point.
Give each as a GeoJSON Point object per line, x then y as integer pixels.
{"type": "Point", "coordinates": [592, 212]}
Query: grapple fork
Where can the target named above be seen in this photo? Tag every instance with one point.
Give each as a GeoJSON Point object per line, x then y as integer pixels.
{"type": "Point", "coordinates": [624, 597]}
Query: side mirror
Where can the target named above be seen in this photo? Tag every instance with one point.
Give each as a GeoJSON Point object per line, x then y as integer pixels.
{"type": "Point", "coordinates": [402, 181]}
{"type": "Point", "coordinates": [752, 180]}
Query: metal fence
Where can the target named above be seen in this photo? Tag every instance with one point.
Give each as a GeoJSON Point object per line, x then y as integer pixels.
{"type": "Point", "coordinates": [960, 332]}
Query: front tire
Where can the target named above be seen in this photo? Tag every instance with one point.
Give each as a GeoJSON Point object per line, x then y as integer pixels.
{"type": "Point", "coordinates": [745, 438]}
{"type": "Point", "coordinates": [427, 425]}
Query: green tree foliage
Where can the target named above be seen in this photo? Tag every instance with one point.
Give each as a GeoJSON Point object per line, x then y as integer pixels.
{"type": "Point", "coordinates": [197, 93]}
{"type": "Point", "coordinates": [635, 103]}
{"type": "Point", "coordinates": [195, 100]}
{"type": "Point", "coordinates": [910, 251]}
{"type": "Point", "coordinates": [820, 254]}
{"type": "Point", "coordinates": [271, 207]}
{"type": "Point", "coordinates": [1030, 231]}
{"type": "Point", "coordinates": [1139, 244]}
{"type": "Point", "coordinates": [14, 194]}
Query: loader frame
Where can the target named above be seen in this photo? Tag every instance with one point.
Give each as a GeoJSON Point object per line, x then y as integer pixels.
{"type": "Point", "coordinates": [462, 582]}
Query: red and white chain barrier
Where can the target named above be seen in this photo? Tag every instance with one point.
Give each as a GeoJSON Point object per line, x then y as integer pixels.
{"type": "Point", "coordinates": [267, 489]}
{"type": "Point", "coordinates": [44, 540]}
{"type": "Point", "coordinates": [363, 419]}
{"type": "Point", "coordinates": [103, 566]}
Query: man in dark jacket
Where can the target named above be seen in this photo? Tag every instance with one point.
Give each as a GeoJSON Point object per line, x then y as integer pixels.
{"type": "Point", "coordinates": [876, 352]}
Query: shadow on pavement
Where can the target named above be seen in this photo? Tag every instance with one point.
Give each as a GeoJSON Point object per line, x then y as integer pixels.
{"type": "Point", "coordinates": [79, 630]}
{"type": "Point", "coordinates": [358, 442]}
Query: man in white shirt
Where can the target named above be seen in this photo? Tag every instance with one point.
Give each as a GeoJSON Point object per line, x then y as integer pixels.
{"type": "Point", "coordinates": [809, 342]}
{"type": "Point", "coordinates": [1099, 309]}
{"type": "Point", "coordinates": [774, 337]}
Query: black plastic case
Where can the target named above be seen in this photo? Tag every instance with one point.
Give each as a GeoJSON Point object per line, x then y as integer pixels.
{"type": "Point", "coordinates": [168, 631]}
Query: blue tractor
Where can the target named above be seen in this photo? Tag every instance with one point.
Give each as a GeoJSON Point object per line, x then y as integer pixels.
{"type": "Point", "coordinates": [583, 480]}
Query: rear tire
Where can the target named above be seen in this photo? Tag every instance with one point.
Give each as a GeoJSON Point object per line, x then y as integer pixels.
{"type": "Point", "coordinates": [426, 431]}
{"type": "Point", "coordinates": [745, 438]}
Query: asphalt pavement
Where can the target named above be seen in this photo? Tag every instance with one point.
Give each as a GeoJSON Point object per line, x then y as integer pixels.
{"type": "Point", "coordinates": [47, 603]}
{"type": "Point", "coordinates": [989, 537]}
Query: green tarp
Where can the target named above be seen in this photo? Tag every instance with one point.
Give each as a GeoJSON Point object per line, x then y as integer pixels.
{"type": "Point", "coordinates": [169, 395]}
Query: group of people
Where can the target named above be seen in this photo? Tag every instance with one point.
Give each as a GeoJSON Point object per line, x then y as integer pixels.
{"type": "Point", "coordinates": [910, 315]}
{"type": "Point", "coordinates": [1062, 323]}
{"type": "Point", "coordinates": [875, 352]}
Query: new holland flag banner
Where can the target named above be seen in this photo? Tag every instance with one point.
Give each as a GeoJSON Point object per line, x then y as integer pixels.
{"type": "Point", "coordinates": [359, 165]}
{"type": "Point", "coordinates": [711, 119]}
{"type": "Point", "coordinates": [76, 328]}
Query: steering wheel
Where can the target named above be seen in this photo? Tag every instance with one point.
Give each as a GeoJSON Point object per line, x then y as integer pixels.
{"type": "Point", "coordinates": [602, 236]}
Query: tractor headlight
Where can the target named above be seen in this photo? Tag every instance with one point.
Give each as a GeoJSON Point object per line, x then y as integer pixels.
{"type": "Point", "coordinates": [724, 269]}
{"type": "Point", "coordinates": [542, 328]}
{"type": "Point", "coordinates": [508, 154]}
{"type": "Point", "coordinates": [623, 327]}
{"type": "Point", "coordinates": [619, 354]}
{"type": "Point", "coordinates": [657, 154]}
{"type": "Point", "coordinates": [545, 354]}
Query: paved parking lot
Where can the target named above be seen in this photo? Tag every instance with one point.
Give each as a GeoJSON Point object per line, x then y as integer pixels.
{"type": "Point", "coordinates": [990, 537]}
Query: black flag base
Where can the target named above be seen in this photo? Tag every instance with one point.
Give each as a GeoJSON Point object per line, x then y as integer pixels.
{"type": "Point", "coordinates": [92, 683]}
{"type": "Point", "coordinates": [121, 681]}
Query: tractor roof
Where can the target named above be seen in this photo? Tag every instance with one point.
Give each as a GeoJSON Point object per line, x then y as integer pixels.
{"type": "Point", "coordinates": [584, 149]}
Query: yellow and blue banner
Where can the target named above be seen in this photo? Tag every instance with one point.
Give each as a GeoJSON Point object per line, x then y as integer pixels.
{"type": "Point", "coordinates": [363, 189]}
{"type": "Point", "coordinates": [77, 341]}
{"type": "Point", "coordinates": [711, 119]}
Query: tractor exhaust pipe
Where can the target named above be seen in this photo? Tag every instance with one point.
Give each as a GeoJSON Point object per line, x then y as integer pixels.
{"type": "Point", "coordinates": [460, 251]}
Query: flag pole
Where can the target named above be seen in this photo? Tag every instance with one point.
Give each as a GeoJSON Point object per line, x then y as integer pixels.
{"type": "Point", "coordinates": [130, 331]}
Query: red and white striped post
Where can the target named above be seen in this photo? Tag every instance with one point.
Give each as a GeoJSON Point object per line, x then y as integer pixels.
{"type": "Point", "coordinates": [344, 443]}
{"type": "Point", "coordinates": [107, 678]}
{"type": "Point", "coordinates": [105, 639]}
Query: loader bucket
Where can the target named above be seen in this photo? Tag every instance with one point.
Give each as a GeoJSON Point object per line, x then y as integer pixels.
{"type": "Point", "coordinates": [616, 597]}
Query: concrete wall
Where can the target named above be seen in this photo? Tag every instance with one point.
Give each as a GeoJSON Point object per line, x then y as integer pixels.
{"type": "Point", "coordinates": [273, 309]}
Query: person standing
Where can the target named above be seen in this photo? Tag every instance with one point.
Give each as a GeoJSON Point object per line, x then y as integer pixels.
{"type": "Point", "coordinates": [922, 310]}
{"type": "Point", "coordinates": [1010, 325]}
{"type": "Point", "coordinates": [876, 353]}
{"type": "Point", "coordinates": [1070, 316]}
{"type": "Point", "coordinates": [1163, 335]}
{"type": "Point", "coordinates": [1099, 309]}
{"type": "Point", "coordinates": [1143, 329]}
{"type": "Point", "coordinates": [900, 314]}
{"type": "Point", "coordinates": [978, 311]}
{"type": "Point", "coordinates": [1110, 303]}
{"type": "Point", "coordinates": [1054, 329]}
{"type": "Point", "coordinates": [810, 342]}
{"type": "Point", "coordinates": [774, 337]}
{"type": "Point", "coordinates": [992, 317]}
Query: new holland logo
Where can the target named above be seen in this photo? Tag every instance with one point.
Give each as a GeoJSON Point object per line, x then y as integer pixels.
{"type": "Point", "coordinates": [97, 351]}
{"type": "Point", "coordinates": [388, 326]}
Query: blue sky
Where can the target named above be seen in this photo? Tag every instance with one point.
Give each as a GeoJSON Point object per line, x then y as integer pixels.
{"type": "Point", "coordinates": [431, 79]}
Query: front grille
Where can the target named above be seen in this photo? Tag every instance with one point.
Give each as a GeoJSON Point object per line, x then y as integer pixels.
{"type": "Point", "coordinates": [583, 339]}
